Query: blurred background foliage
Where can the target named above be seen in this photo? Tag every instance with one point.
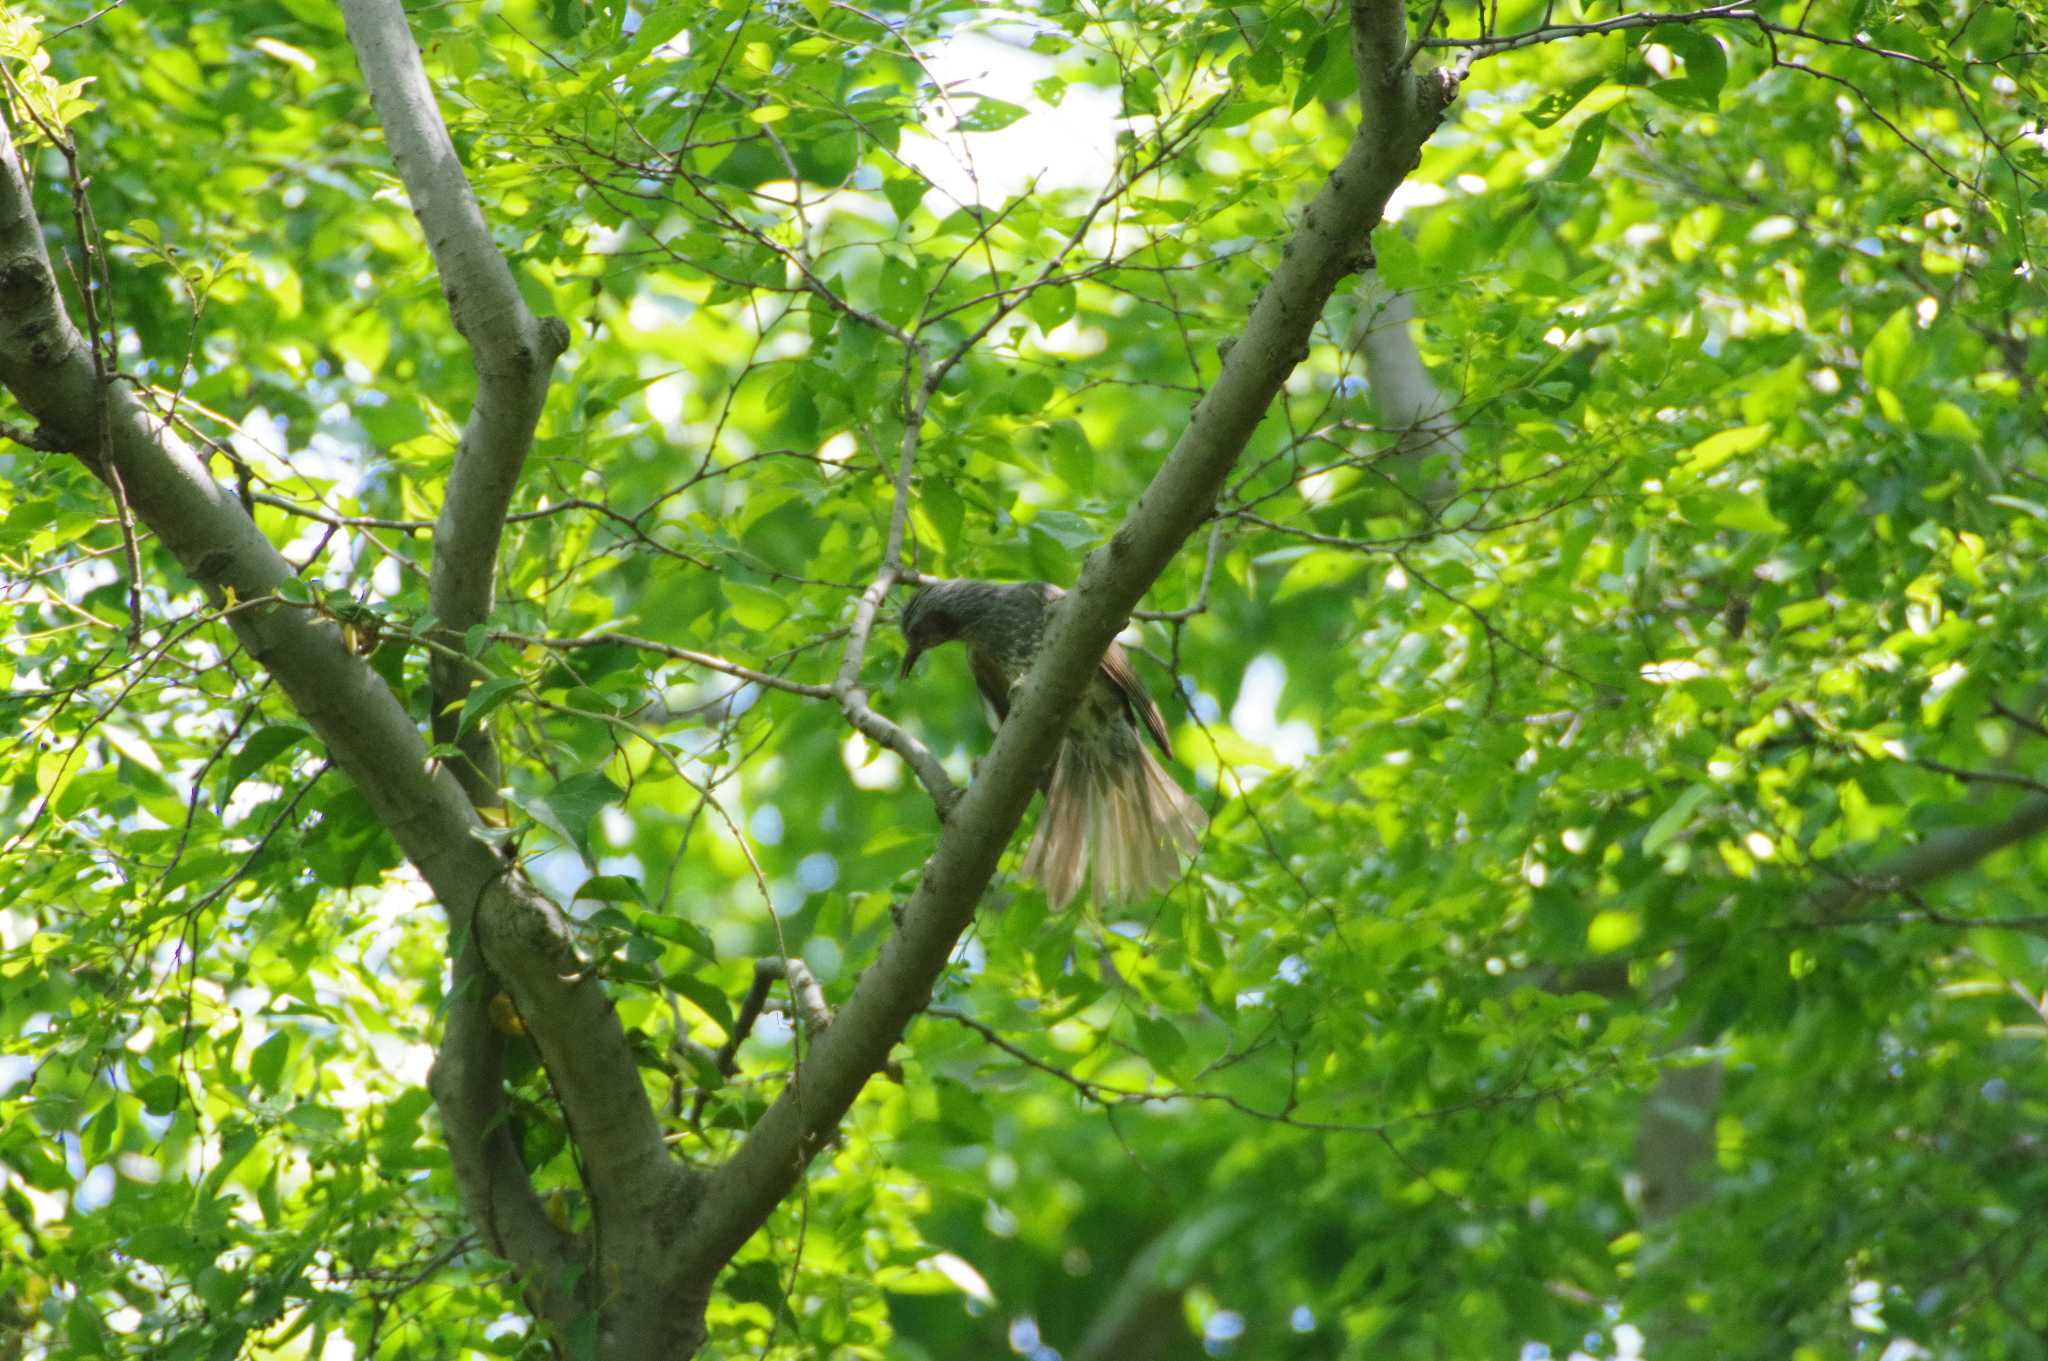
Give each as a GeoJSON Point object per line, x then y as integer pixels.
{"type": "Point", "coordinates": [1525, 799]}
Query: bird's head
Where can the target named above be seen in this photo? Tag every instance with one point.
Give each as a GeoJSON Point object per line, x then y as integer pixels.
{"type": "Point", "coordinates": [928, 620]}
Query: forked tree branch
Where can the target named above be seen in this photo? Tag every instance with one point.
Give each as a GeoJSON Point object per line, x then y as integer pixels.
{"type": "Point", "coordinates": [46, 365]}
{"type": "Point", "coordinates": [662, 1232]}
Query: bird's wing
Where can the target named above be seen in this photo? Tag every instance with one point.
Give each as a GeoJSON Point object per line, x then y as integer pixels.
{"type": "Point", "coordinates": [990, 680]}
{"type": "Point", "coordinates": [1116, 665]}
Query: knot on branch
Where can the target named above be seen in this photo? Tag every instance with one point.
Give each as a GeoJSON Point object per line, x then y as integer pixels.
{"type": "Point", "coordinates": [213, 568]}
{"type": "Point", "coordinates": [554, 339]}
{"type": "Point", "coordinates": [1435, 91]}
{"type": "Point", "coordinates": [24, 282]}
{"type": "Point", "coordinates": [40, 337]}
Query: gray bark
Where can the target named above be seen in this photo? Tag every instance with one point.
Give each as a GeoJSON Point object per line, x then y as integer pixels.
{"type": "Point", "coordinates": [513, 349]}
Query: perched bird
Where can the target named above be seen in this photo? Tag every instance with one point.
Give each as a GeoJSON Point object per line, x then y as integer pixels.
{"type": "Point", "coordinates": [1109, 805]}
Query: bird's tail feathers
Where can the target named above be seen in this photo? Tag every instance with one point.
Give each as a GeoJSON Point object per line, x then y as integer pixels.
{"type": "Point", "coordinates": [1126, 819]}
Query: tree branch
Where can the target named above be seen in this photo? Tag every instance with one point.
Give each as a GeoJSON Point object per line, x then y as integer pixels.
{"type": "Point", "coordinates": [1937, 857]}
{"type": "Point", "coordinates": [1401, 111]}
{"type": "Point", "coordinates": [522, 937]}
{"type": "Point", "coordinates": [467, 1082]}
{"type": "Point", "coordinates": [1676, 1137]}
{"type": "Point", "coordinates": [514, 353]}
{"type": "Point", "coordinates": [806, 998]}
{"type": "Point", "coordinates": [44, 362]}
{"type": "Point", "coordinates": [1476, 48]}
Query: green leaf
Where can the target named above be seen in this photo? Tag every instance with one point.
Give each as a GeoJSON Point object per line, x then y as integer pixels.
{"type": "Point", "coordinates": [1893, 356]}
{"type": "Point", "coordinates": [1319, 570]}
{"type": "Point", "coordinates": [754, 607]}
{"type": "Point", "coordinates": [677, 931]}
{"type": "Point", "coordinates": [1711, 452]}
{"type": "Point", "coordinates": [609, 888]}
{"type": "Point", "coordinates": [1746, 512]}
{"type": "Point", "coordinates": [964, 1112]}
{"type": "Point", "coordinates": [161, 1094]}
{"type": "Point", "coordinates": [904, 294]}
{"type": "Point", "coordinates": [1584, 151]}
{"type": "Point", "coordinates": [904, 193]}
{"type": "Point", "coordinates": [943, 509]}
{"type": "Point", "coordinates": [1072, 459]}
{"type": "Point", "coordinates": [266, 1065]}
{"type": "Point", "coordinates": [988, 115]}
{"type": "Point", "coordinates": [575, 801]}
{"type": "Point", "coordinates": [757, 1282]}
{"type": "Point", "coordinates": [1162, 1043]}
{"type": "Point", "coordinates": [1675, 819]}
{"type": "Point", "coordinates": [1706, 67]}
{"type": "Point", "coordinates": [1399, 262]}
{"type": "Point", "coordinates": [236, 1145]}
{"type": "Point", "coordinates": [484, 699]}
{"type": "Point", "coordinates": [1555, 105]}
{"type": "Point", "coordinates": [709, 999]}
{"type": "Point", "coordinates": [1051, 305]}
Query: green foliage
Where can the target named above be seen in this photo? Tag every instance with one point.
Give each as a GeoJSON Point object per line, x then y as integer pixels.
{"type": "Point", "coordinates": [1522, 801]}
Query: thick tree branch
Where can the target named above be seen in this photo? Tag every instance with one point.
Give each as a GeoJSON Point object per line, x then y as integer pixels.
{"type": "Point", "coordinates": [514, 353]}
{"type": "Point", "coordinates": [1937, 857]}
{"type": "Point", "coordinates": [1379, 50]}
{"type": "Point", "coordinates": [44, 362]}
{"type": "Point", "coordinates": [522, 939]}
{"type": "Point", "coordinates": [1400, 112]}
{"type": "Point", "coordinates": [468, 1086]}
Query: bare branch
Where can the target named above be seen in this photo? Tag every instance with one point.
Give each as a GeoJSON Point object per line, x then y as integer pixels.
{"type": "Point", "coordinates": [853, 700]}
{"type": "Point", "coordinates": [606, 637]}
{"type": "Point", "coordinates": [1476, 48]}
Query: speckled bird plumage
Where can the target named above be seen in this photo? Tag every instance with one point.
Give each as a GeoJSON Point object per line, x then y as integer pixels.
{"type": "Point", "coordinates": [1110, 807]}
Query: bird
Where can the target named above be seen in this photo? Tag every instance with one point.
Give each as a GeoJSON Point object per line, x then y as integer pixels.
{"type": "Point", "coordinates": [1110, 807]}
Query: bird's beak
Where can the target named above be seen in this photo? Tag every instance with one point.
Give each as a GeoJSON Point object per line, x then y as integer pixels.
{"type": "Point", "coordinates": [909, 660]}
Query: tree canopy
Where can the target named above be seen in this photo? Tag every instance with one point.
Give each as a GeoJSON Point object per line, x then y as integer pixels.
{"type": "Point", "coordinates": [1573, 476]}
